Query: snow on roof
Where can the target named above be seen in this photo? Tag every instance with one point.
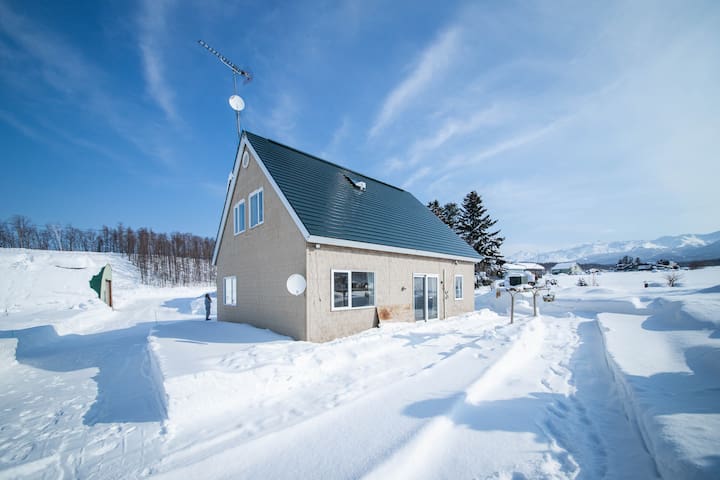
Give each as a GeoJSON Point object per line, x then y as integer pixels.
{"type": "Point", "coordinates": [565, 265]}
{"type": "Point", "coordinates": [531, 266]}
{"type": "Point", "coordinates": [523, 266]}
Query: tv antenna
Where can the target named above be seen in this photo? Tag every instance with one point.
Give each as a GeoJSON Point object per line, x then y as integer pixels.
{"type": "Point", "coordinates": [236, 101]}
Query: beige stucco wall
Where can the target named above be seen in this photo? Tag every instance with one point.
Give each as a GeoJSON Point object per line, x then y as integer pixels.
{"type": "Point", "coordinates": [393, 286]}
{"type": "Point", "coordinates": [262, 259]}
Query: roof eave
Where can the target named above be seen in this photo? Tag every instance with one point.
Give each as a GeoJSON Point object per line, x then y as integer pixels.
{"type": "Point", "coordinates": [338, 242]}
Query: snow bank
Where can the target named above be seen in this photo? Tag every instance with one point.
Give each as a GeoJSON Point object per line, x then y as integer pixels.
{"type": "Point", "coordinates": [666, 360]}
{"type": "Point", "coordinates": [36, 279]}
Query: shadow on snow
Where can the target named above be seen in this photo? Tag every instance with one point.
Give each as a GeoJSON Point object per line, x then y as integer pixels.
{"type": "Point", "coordinates": [128, 388]}
{"type": "Point", "coordinates": [129, 384]}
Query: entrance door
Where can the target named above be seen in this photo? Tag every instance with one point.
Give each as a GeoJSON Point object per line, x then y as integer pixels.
{"type": "Point", "coordinates": [425, 296]}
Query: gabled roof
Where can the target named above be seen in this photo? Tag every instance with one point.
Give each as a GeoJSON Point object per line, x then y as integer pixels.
{"type": "Point", "coordinates": [330, 206]}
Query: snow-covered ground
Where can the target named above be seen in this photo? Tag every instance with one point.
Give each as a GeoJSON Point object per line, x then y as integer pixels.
{"type": "Point", "coordinates": [612, 381]}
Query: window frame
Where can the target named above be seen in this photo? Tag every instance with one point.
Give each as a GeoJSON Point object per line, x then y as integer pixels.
{"type": "Point", "coordinates": [261, 207]}
{"type": "Point", "coordinates": [462, 287]}
{"type": "Point", "coordinates": [236, 208]}
{"type": "Point", "coordinates": [349, 274]}
{"type": "Point", "coordinates": [233, 283]}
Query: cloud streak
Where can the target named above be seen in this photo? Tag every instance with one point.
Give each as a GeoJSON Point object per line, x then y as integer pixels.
{"type": "Point", "coordinates": [152, 28]}
{"type": "Point", "coordinates": [78, 84]}
{"type": "Point", "coordinates": [437, 57]}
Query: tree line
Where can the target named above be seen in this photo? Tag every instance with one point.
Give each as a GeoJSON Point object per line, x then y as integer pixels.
{"type": "Point", "coordinates": [472, 222]}
{"type": "Point", "coordinates": [162, 259]}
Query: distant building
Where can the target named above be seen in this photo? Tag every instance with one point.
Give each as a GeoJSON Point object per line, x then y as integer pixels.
{"type": "Point", "coordinates": [568, 268]}
{"type": "Point", "coordinates": [534, 268]}
{"type": "Point", "coordinates": [522, 273]}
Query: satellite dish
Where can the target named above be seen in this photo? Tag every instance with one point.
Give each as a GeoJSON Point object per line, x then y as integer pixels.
{"type": "Point", "coordinates": [237, 103]}
{"type": "Point", "coordinates": [296, 284]}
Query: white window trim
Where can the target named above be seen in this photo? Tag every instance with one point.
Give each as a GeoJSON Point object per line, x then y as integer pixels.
{"type": "Point", "coordinates": [235, 228]}
{"type": "Point", "coordinates": [253, 193]}
{"type": "Point", "coordinates": [234, 294]}
{"type": "Point", "coordinates": [462, 287]}
{"type": "Point", "coordinates": [333, 308]}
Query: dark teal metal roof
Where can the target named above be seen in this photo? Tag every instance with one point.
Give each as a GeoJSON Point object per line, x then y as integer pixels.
{"type": "Point", "coordinates": [329, 205]}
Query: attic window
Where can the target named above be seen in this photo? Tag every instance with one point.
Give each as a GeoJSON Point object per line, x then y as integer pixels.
{"type": "Point", "coordinates": [359, 184]}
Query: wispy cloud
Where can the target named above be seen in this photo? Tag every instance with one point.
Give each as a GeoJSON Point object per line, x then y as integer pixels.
{"type": "Point", "coordinates": [61, 65]}
{"type": "Point", "coordinates": [76, 82]}
{"type": "Point", "coordinates": [20, 126]}
{"type": "Point", "coordinates": [339, 135]}
{"type": "Point", "coordinates": [436, 58]}
{"type": "Point", "coordinates": [465, 160]}
{"type": "Point", "coordinates": [509, 144]}
{"type": "Point", "coordinates": [152, 28]}
{"type": "Point", "coordinates": [283, 118]}
{"type": "Point", "coordinates": [452, 127]}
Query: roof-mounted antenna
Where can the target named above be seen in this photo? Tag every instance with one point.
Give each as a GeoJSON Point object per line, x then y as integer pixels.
{"type": "Point", "coordinates": [236, 101]}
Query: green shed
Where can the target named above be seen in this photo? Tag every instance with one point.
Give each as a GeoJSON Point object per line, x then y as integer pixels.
{"type": "Point", "coordinates": [102, 284]}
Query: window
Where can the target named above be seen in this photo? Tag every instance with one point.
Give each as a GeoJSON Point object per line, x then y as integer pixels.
{"type": "Point", "coordinates": [458, 287]}
{"type": "Point", "coordinates": [257, 213]}
{"type": "Point", "coordinates": [239, 217]}
{"type": "Point", "coordinates": [352, 289]}
{"type": "Point", "coordinates": [230, 290]}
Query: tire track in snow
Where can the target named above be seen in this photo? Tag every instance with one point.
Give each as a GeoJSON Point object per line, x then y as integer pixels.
{"type": "Point", "coordinates": [374, 424]}
{"type": "Point", "coordinates": [422, 454]}
{"type": "Point", "coordinates": [261, 420]}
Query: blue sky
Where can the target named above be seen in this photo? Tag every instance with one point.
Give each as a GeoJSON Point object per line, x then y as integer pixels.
{"type": "Point", "coordinates": [576, 121]}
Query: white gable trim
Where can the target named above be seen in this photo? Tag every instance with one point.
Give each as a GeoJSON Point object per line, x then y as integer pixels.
{"type": "Point", "coordinates": [245, 143]}
{"type": "Point", "coordinates": [386, 248]}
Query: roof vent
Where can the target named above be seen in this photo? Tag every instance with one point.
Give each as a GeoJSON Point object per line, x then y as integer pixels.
{"type": "Point", "coordinates": [360, 185]}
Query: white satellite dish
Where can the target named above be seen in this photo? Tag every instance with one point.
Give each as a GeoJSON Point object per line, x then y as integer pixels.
{"type": "Point", "coordinates": [296, 284]}
{"type": "Point", "coordinates": [237, 103]}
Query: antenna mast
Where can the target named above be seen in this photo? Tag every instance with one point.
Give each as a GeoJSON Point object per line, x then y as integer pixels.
{"type": "Point", "coordinates": [236, 102]}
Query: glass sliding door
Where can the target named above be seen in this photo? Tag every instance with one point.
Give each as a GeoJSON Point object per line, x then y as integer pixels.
{"type": "Point", "coordinates": [425, 296]}
{"type": "Point", "coordinates": [419, 297]}
{"type": "Point", "coordinates": [432, 298]}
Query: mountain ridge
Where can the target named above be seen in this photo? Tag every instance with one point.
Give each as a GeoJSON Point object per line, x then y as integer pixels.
{"type": "Point", "coordinates": [679, 248]}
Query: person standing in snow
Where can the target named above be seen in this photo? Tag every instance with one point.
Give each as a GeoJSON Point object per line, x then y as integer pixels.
{"type": "Point", "coordinates": [208, 302]}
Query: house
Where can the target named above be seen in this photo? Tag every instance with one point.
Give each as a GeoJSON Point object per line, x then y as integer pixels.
{"type": "Point", "coordinates": [514, 278]}
{"type": "Point", "coordinates": [569, 268]}
{"type": "Point", "coordinates": [315, 251]}
{"type": "Point", "coordinates": [535, 269]}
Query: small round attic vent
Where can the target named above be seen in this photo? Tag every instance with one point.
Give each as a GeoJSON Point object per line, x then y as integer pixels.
{"type": "Point", "coordinates": [245, 159]}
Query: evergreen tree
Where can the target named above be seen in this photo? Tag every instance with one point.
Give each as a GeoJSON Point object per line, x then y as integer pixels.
{"type": "Point", "coordinates": [474, 227]}
{"type": "Point", "coordinates": [435, 207]}
{"type": "Point", "coordinates": [451, 215]}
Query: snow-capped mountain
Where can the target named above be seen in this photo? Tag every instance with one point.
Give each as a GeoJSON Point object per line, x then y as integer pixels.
{"type": "Point", "coordinates": [679, 248]}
